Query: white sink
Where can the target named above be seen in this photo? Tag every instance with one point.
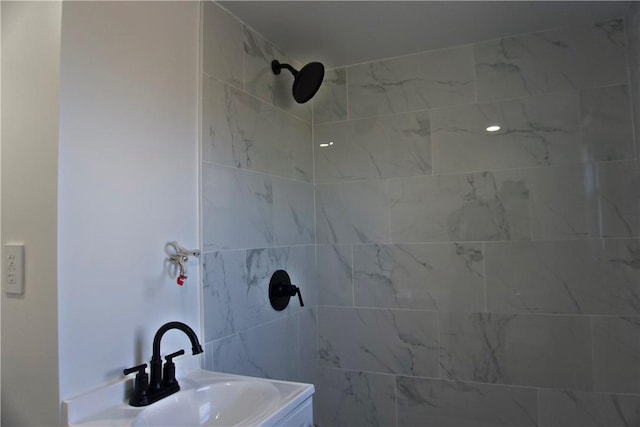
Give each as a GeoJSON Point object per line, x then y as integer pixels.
{"type": "Point", "coordinates": [205, 399]}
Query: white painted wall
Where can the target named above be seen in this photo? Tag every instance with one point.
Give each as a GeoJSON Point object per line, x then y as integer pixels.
{"type": "Point", "coordinates": [30, 84]}
{"type": "Point", "coordinates": [128, 183]}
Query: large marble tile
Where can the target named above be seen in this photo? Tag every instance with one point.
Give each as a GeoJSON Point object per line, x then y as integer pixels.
{"type": "Point", "coordinates": [224, 293]}
{"type": "Point", "coordinates": [243, 209]}
{"type": "Point", "coordinates": [578, 409]}
{"type": "Point", "coordinates": [473, 207]}
{"type": "Point", "coordinates": [564, 202]}
{"type": "Point", "coordinates": [378, 340]}
{"type": "Point", "coordinates": [569, 58]}
{"type": "Point", "coordinates": [222, 45]}
{"type": "Point", "coordinates": [241, 131]}
{"type": "Point", "coordinates": [297, 261]}
{"type": "Point", "coordinates": [445, 277]}
{"type": "Point", "coordinates": [260, 80]}
{"type": "Point", "coordinates": [308, 339]}
{"type": "Point", "coordinates": [619, 199]}
{"type": "Point", "coordinates": [293, 213]}
{"type": "Point", "coordinates": [235, 296]}
{"type": "Point", "coordinates": [352, 212]}
{"type": "Point", "coordinates": [381, 147]}
{"type": "Point", "coordinates": [535, 131]}
{"type": "Point", "coordinates": [355, 399]}
{"type": "Point", "coordinates": [411, 83]}
{"type": "Point", "coordinates": [541, 351]}
{"type": "Point", "coordinates": [607, 129]}
{"type": "Point", "coordinates": [268, 351]}
{"type": "Point", "coordinates": [330, 103]}
{"type": "Point", "coordinates": [237, 208]}
{"type": "Point", "coordinates": [425, 402]}
{"type": "Point", "coordinates": [616, 354]}
{"type": "Point", "coordinates": [570, 277]}
{"type": "Point", "coordinates": [335, 274]}
{"type": "Point", "coordinates": [632, 21]}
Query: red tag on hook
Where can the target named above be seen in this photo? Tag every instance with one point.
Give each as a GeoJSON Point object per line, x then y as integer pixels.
{"type": "Point", "coordinates": [180, 280]}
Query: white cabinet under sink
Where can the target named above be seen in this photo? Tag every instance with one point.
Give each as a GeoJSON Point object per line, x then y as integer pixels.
{"type": "Point", "coordinates": [301, 416]}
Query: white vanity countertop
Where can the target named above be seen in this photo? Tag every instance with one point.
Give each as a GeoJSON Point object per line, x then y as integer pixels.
{"type": "Point", "coordinates": [108, 406]}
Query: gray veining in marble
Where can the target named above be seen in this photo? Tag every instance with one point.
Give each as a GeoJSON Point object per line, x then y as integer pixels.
{"type": "Point", "coordinates": [570, 58]}
{"type": "Point", "coordinates": [445, 277]}
{"type": "Point", "coordinates": [222, 45]}
{"type": "Point", "coordinates": [330, 103]}
{"type": "Point", "coordinates": [425, 402]}
{"type": "Point", "coordinates": [619, 199]}
{"type": "Point", "coordinates": [241, 131]}
{"type": "Point", "coordinates": [235, 283]}
{"type": "Point", "coordinates": [308, 339]}
{"type": "Point", "coordinates": [293, 213]}
{"type": "Point", "coordinates": [224, 288]}
{"type": "Point", "coordinates": [237, 208]}
{"type": "Point", "coordinates": [381, 147]}
{"type": "Point", "coordinates": [535, 131]}
{"type": "Point", "coordinates": [379, 340]}
{"type": "Point", "coordinates": [616, 354]}
{"type": "Point", "coordinates": [570, 277]}
{"type": "Point", "coordinates": [411, 83]}
{"type": "Point", "coordinates": [298, 261]}
{"type": "Point", "coordinates": [260, 351]}
{"type": "Point", "coordinates": [243, 209]}
{"type": "Point", "coordinates": [335, 274]}
{"type": "Point", "coordinates": [607, 130]}
{"type": "Point", "coordinates": [560, 408]}
{"type": "Point", "coordinates": [632, 21]}
{"type": "Point", "coordinates": [527, 350]}
{"type": "Point", "coordinates": [352, 212]}
{"type": "Point", "coordinates": [260, 80]}
{"type": "Point", "coordinates": [355, 399]}
{"type": "Point", "coordinates": [479, 206]}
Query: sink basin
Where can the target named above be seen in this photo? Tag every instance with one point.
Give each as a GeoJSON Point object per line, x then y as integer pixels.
{"type": "Point", "coordinates": [224, 403]}
{"type": "Point", "coordinates": [205, 399]}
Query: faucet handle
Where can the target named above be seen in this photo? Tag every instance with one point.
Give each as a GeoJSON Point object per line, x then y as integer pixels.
{"type": "Point", "coordinates": [140, 369]}
{"type": "Point", "coordinates": [140, 396]}
{"type": "Point", "coordinates": [169, 371]}
{"type": "Point", "coordinates": [169, 357]}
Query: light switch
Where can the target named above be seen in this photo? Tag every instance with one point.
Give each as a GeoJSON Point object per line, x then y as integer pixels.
{"type": "Point", "coordinates": [13, 279]}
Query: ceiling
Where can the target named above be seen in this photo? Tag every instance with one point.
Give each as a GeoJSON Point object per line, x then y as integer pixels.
{"type": "Point", "coordinates": [349, 32]}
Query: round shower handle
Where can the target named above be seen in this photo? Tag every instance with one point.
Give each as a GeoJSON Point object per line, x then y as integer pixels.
{"type": "Point", "coordinates": [281, 290]}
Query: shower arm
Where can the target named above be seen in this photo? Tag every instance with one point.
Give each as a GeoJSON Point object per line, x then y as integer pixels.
{"type": "Point", "coordinates": [277, 66]}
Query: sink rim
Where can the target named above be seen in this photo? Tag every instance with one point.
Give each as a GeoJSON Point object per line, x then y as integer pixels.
{"type": "Point", "coordinates": [107, 406]}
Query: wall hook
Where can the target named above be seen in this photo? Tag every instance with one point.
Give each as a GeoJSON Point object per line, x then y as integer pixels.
{"type": "Point", "coordinates": [178, 257]}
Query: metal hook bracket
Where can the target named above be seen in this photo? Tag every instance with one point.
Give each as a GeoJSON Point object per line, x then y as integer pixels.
{"type": "Point", "coordinates": [178, 256]}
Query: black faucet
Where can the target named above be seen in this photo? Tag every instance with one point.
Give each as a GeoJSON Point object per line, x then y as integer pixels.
{"type": "Point", "coordinates": [159, 386]}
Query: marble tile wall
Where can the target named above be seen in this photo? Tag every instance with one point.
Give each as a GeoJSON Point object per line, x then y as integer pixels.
{"type": "Point", "coordinates": [468, 278]}
{"type": "Point", "coordinates": [257, 207]}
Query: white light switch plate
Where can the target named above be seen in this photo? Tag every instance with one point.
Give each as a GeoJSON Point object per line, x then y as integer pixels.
{"type": "Point", "coordinates": [13, 278]}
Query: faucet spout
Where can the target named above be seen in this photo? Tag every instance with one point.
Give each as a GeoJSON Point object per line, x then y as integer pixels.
{"type": "Point", "coordinates": [156, 361]}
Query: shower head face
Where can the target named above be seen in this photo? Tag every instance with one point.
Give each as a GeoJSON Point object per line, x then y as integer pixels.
{"type": "Point", "coordinates": [307, 82]}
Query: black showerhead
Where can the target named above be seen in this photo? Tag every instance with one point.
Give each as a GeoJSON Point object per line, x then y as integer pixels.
{"type": "Point", "coordinates": [306, 82]}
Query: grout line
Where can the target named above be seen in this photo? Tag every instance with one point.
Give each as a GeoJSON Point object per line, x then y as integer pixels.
{"type": "Point", "coordinates": [475, 72]}
{"type": "Point", "coordinates": [346, 89]}
{"type": "Point", "coordinates": [593, 357]}
{"type": "Point", "coordinates": [353, 281]}
{"type": "Point", "coordinates": [484, 274]}
{"type": "Point", "coordinates": [539, 409]}
{"type": "Point", "coordinates": [492, 242]}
